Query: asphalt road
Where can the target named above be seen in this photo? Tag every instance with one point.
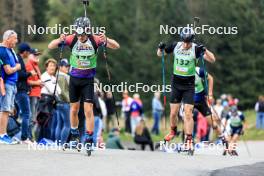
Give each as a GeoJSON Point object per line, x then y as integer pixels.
{"type": "Point", "coordinates": [19, 160]}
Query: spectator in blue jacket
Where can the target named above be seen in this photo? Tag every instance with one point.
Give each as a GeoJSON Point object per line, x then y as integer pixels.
{"type": "Point", "coordinates": [9, 68]}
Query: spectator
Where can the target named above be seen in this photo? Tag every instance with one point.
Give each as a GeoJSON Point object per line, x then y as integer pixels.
{"type": "Point", "coordinates": [10, 76]}
{"type": "Point", "coordinates": [113, 141]}
{"type": "Point", "coordinates": [49, 94]}
{"type": "Point", "coordinates": [34, 94]}
{"type": "Point", "coordinates": [142, 136]}
{"type": "Point", "coordinates": [218, 107]}
{"type": "Point", "coordinates": [231, 100]}
{"type": "Point", "coordinates": [157, 112]}
{"type": "Point", "coordinates": [110, 110]}
{"type": "Point", "coordinates": [63, 106]}
{"type": "Point", "coordinates": [22, 97]}
{"type": "Point", "coordinates": [259, 107]}
{"type": "Point", "coordinates": [126, 104]}
{"type": "Point", "coordinates": [136, 110]}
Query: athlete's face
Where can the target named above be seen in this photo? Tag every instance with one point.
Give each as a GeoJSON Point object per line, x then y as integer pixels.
{"type": "Point", "coordinates": [82, 38]}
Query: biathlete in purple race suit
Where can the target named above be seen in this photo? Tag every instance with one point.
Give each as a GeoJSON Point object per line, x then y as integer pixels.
{"type": "Point", "coordinates": [83, 61]}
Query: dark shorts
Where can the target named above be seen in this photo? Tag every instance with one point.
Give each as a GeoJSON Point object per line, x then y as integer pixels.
{"type": "Point", "coordinates": [236, 130]}
{"type": "Point", "coordinates": [182, 90]}
{"type": "Point", "coordinates": [81, 89]}
{"type": "Point", "coordinates": [203, 108]}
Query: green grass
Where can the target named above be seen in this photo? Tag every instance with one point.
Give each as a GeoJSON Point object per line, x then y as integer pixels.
{"type": "Point", "coordinates": [251, 133]}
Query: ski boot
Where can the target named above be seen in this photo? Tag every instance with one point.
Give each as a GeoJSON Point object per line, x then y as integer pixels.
{"type": "Point", "coordinates": [88, 143]}
{"type": "Point", "coordinates": [170, 135]}
{"type": "Point", "coordinates": [189, 145]}
{"type": "Point", "coordinates": [74, 140]}
{"type": "Point", "coordinates": [225, 144]}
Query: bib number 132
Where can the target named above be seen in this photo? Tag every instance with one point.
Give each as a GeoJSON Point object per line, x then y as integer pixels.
{"type": "Point", "coordinates": [182, 62]}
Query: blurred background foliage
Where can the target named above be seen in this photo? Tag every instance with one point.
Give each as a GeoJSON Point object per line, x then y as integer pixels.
{"type": "Point", "coordinates": [136, 26]}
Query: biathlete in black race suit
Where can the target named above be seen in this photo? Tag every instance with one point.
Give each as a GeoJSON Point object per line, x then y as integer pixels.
{"type": "Point", "coordinates": [186, 54]}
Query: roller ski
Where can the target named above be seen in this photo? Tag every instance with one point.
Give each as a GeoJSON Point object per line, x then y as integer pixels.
{"type": "Point", "coordinates": [75, 142]}
{"type": "Point", "coordinates": [171, 135]}
{"type": "Point", "coordinates": [188, 146]}
{"type": "Point", "coordinates": [225, 144]}
{"type": "Point", "coordinates": [88, 144]}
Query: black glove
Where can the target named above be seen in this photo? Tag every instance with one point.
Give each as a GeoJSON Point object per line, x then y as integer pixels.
{"type": "Point", "coordinates": [62, 44]}
{"type": "Point", "coordinates": [201, 48]}
{"type": "Point", "coordinates": [162, 45]}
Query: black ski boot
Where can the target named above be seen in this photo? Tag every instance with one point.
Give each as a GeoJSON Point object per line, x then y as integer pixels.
{"type": "Point", "coordinates": [74, 140]}
{"type": "Point", "coordinates": [89, 144]}
{"type": "Point", "coordinates": [189, 145]}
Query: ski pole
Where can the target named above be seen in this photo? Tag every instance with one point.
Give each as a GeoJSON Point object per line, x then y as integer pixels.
{"type": "Point", "coordinates": [164, 85]}
{"type": "Point", "coordinates": [109, 78]}
{"type": "Point", "coordinates": [85, 6]}
{"type": "Point", "coordinates": [61, 45]}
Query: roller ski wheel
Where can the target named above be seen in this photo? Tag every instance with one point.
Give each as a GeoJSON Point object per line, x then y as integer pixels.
{"type": "Point", "coordinates": [189, 145]}
{"type": "Point", "coordinates": [224, 153]}
{"type": "Point", "coordinates": [190, 152]}
{"type": "Point", "coordinates": [77, 146]}
{"type": "Point", "coordinates": [234, 153]}
{"type": "Point", "coordinates": [88, 146]}
{"type": "Point", "coordinates": [74, 141]}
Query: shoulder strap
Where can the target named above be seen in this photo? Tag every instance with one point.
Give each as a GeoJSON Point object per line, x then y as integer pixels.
{"type": "Point", "coordinates": [91, 38]}
{"type": "Point", "coordinates": [75, 39]}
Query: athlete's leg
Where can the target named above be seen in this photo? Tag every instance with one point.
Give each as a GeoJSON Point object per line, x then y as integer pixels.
{"type": "Point", "coordinates": [74, 115]}
{"type": "Point", "coordinates": [89, 116]}
{"type": "Point", "coordinates": [174, 110]}
{"type": "Point", "coordinates": [188, 119]}
{"type": "Point", "coordinates": [234, 140]}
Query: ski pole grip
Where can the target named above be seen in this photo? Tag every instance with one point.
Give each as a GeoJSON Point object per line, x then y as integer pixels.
{"type": "Point", "coordinates": [86, 2]}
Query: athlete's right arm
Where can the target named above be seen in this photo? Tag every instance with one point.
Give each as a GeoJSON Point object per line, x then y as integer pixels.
{"type": "Point", "coordinates": [55, 43]}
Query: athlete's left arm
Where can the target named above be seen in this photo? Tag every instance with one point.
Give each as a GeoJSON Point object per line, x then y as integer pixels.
{"type": "Point", "coordinates": [209, 56]}
{"type": "Point", "coordinates": [110, 43]}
